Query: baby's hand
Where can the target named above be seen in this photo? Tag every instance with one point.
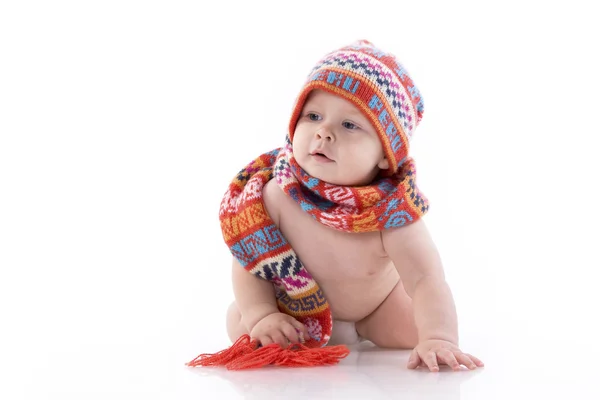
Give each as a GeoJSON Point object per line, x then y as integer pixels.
{"type": "Point", "coordinates": [431, 352]}
{"type": "Point", "coordinates": [279, 328]}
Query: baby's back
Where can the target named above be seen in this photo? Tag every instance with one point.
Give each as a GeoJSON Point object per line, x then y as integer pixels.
{"type": "Point", "coordinates": [353, 269]}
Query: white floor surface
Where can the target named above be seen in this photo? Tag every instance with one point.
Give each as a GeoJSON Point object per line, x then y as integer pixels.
{"type": "Point", "coordinates": [141, 372]}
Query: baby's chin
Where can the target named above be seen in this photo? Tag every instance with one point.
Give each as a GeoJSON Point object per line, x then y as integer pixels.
{"type": "Point", "coordinates": [326, 175]}
{"type": "Point", "coordinates": [313, 173]}
{"type": "Point", "coordinates": [330, 178]}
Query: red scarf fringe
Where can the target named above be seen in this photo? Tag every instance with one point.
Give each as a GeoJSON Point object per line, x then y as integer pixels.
{"type": "Point", "coordinates": [246, 354]}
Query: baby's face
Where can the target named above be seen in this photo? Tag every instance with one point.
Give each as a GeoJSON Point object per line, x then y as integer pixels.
{"type": "Point", "coordinates": [334, 142]}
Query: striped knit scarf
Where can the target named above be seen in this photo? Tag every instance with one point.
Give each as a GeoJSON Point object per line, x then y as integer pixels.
{"type": "Point", "coordinates": [262, 250]}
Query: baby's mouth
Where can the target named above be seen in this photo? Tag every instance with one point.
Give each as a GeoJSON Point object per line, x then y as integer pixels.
{"type": "Point", "coordinates": [320, 157]}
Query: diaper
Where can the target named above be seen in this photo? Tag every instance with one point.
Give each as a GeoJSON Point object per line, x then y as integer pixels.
{"type": "Point", "coordinates": [344, 332]}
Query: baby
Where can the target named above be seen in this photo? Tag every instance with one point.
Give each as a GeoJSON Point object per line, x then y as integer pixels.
{"type": "Point", "coordinates": [326, 232]}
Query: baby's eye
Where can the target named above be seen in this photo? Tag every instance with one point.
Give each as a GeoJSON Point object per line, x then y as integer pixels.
{"type": "Point", "coordinates": [313, 116]}
{"type": "Point", "coordinates": [349, 125]}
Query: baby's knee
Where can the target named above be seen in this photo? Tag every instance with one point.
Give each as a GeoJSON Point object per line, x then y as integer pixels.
{"type": "Point", "coordinates": [235, 329]}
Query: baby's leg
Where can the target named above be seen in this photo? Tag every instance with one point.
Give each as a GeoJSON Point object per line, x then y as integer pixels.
{"type": "Point", "coordinates": [235, 329]}
{"type": "Point", "coordinates": [392, 324]}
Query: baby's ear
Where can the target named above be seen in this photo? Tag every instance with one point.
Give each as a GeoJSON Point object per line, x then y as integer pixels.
{"type": "Point", "coordinates": [384, 164]}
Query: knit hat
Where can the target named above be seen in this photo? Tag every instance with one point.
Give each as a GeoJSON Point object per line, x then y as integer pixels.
{"type": "Point", "coordinates": [378, 85]}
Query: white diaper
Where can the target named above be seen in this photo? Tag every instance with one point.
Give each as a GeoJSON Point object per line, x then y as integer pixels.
{"type": "Point", "coordinates": [344, 333]}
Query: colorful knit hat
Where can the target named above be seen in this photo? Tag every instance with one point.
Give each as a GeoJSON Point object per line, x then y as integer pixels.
{"type": "Point", "coordinates": [378, 85]}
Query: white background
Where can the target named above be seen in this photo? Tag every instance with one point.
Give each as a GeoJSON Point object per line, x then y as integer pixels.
{"type": "Point", "coordinates": [122, 122]}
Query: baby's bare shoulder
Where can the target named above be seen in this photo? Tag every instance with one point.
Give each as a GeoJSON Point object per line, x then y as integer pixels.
{"type": "Point", "coordinates": [272, 200]}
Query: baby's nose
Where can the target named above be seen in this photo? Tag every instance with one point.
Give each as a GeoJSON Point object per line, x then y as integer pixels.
{"type": "Point", "coordinates": [325, 134]}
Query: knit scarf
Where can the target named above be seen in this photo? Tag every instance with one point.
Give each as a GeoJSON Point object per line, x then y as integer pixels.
{"type": "Point", "coordinates": [260, 247]}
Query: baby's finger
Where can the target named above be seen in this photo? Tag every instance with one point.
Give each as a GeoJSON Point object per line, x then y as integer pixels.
{"type": "Point", "coordinates": [476, 360]}
{"type": "Point", "coordinates": [464, 360]}
{"type": "Point", "coordinates": [290, 332]}
{"type": "Point", "coordinates": [300, 327]}
{"type": "Point", "coordinates": [430, 360]}
{"type": "Point", "coordinates": [265, 340]}
{"type": "Point", "coordinates": [278, 338]}
{"type": "Point", "coordinates": [414, 360]}
{"type": "Point", "coordinates": [448, 357]}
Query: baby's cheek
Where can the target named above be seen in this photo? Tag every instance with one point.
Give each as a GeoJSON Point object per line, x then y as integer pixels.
{"type": "Point", "coordinates": [298, 152]}
{"type": "Point", "coordinates": [295, 145]}
{"type": "Point", "coordinates": [361, 152]}
{"type": "Point", "coordinates": [300, 143]}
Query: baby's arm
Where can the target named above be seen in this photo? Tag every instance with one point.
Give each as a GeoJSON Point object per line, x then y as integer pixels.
{"type": "Point", "coordinates": [418, 262]}
{"type": "Point", "coordinates": [255, 297]}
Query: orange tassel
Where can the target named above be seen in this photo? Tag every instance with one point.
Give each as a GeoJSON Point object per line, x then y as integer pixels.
{"type": "Point", "coordinates": [246, 354]}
